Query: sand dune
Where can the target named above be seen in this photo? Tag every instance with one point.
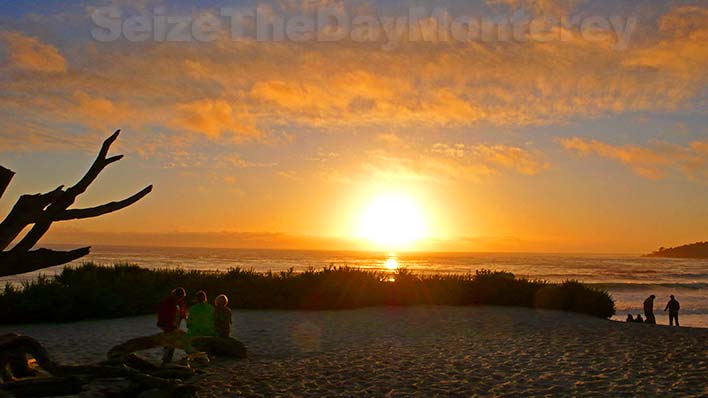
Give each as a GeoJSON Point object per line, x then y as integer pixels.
{"type": "Point", "coordinates": [427, 352]}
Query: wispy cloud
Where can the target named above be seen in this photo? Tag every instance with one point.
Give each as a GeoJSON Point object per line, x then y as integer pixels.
{"type": "Point", "coordinates": [654, 160]}
{"type": "Point", "coordinates": [442, 163]}
{"type": "Point", "coordinates": [503, 157]}
{"type": "Point", "coordinates": [27, 53]}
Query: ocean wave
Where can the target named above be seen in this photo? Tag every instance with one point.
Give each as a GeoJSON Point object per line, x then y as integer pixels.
{"type": "Point", "coordinates": [649, 286]}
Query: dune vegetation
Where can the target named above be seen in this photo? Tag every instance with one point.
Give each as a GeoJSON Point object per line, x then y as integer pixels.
{"type": "Point", "coordinates": [92, 291]}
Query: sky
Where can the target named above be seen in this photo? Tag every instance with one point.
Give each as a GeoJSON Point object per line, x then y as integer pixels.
{"type": "Point", "coordinates": [509, 125]}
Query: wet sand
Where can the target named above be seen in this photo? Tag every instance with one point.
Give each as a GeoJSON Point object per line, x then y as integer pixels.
{"type": "Point", "coordinates": [426, 352]}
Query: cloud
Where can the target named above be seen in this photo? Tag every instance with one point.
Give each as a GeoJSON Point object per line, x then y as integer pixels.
{"type": "Point", "coordinates": [455, 150]}
{"type": "Point", "coordinates": [511, 158]}
{"type": "Point", "coordinates": [499, 156]}
{"type": "Point", "coordinates": [30, 54]}
{"type": "Point", "coordinates": [556, 7]}
{"type": "Point", "coordinates": [321, 156]}
{"type": "Point", "coordinates": [681, 49]}
{"type": "Point", "coordinates": [235, 91]}
{"type": "Point", "coordinates": [212, 118]}
{"type": "Point", "coordinates": [441, 163]}
{"type": "Point", "coordinates": [653, 161]}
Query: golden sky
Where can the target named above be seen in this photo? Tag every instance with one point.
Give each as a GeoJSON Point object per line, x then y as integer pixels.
{"type": "Point", "coordinates": [572, 140]}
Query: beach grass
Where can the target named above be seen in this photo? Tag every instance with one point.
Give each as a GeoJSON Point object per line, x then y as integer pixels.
{"type": "Point", "coordinates": [92, 291]}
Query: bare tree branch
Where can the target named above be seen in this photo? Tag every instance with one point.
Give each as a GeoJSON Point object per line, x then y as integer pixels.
{"type": "Point", "coordinates": [44, 209]}
{"type": "Point", "coordinates": [57, 207]}
{"type": "Point", "coordinates": [25, 211]}
{"type": "Point", "coordinates": [20, 263]}
{"type": "Point", "coordinates": [73, 214]}
{"type": "Point", "coordinates": [5, 178]}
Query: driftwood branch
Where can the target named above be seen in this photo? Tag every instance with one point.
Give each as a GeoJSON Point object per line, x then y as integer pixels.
{"type": "Point", "coordinates": [14, 263]}
{"type": "Point", "coordinates": [41, 210]}
{"type": "Point", "coordinates": [117, 378]}
{"type": "Point", "coordinates": [13, 343]}
{"type": "Point", "coordinates": [5, 178]}
{"type": "Point", "coordinates": [42, 224]}
{"type": "Point", "coordinates": [27, 209]}
{"type": "Point", "coordinates": [74, 214]}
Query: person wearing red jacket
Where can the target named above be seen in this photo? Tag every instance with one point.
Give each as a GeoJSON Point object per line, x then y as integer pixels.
{"type": "Point", "coordinates": [170, 313]}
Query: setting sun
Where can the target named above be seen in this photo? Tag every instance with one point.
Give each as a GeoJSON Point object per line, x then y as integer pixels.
{"type": "Point", "coordinates": [391, 263]}
{"type": "Point", "coordinates": [393, 221]}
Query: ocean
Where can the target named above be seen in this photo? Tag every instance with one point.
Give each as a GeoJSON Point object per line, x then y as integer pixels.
{"type": "Point", "coordinates": [628, 278]}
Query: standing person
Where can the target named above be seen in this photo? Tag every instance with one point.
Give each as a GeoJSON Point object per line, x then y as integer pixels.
{"type": "Point", "coordinates": [169, 316]}
{"type": "Point", "coordinates": [222, 316]}
{"type": "Point", "coordinates": [200, 321]}
{"type": "Point", "coordinates": [649, 309]}
{"type": "Point", "coordinates": [673, 306]}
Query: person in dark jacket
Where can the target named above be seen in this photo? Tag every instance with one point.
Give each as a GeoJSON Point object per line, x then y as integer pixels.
{"type": "Point", "coordinates": [630, 318]}
{"type": "Point", "coordinates": [673, 307]}
{"type": "Point", "coordinates": [649, 309]}
{"type": "Point", "coordinates": [170, 313]}
{"type": "Point", "coordinates": [639, 319]}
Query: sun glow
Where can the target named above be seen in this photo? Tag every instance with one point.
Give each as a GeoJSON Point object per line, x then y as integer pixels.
{"type": "Point", "coordinates": [392, 221]}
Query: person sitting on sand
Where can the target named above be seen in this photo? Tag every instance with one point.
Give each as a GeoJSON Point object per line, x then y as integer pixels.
{"type": "Point", "coordinates": [170, 313]}
{"type": "Point", "coordinates": [630, 318]}
{"type": "Point", "coordinates": [172, 310]}
{"type": "Point", "coordinates": [639, 319]}
{"type": "Point", "coordinates": [200, 321]}
{"type": "Point", "coordinates": [222, 316]}
{"type": "Point", "coordinates": [673, 306]}
{"type": "Point", "coordinates": [649, 309]}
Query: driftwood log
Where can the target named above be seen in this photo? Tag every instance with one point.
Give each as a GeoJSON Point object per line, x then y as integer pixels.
{"type": "Point", "coordinates": [125, 376]}
{"type": "Point", "coordinates": [214, 346]}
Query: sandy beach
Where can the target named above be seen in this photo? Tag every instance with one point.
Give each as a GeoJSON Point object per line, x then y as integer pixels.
{"type": "Point", "coordinates": [426, 352]}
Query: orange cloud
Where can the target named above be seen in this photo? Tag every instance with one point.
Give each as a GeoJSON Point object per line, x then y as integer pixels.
{"type": "Point", "coordinates": [500, 156]}
{"type": "Point", "coordinates": [682, 49]}
{"type": "Point", "coordinates": [30, 54]}
{"type": "Point", "coordinates": [248, 90]}
{"type": "Point", "coordinates": [441, 163]}
{"type": "Point", "coordinates": [212, 118]}
{"type": "Point", "coordinates": [652, 161]}
{"type": "Point", "coordinates": [512, 158]}
{"type": "Point", "coordinates": [539, 6]}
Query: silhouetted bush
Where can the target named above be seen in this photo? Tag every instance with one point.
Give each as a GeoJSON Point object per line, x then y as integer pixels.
{"type": "Point", "coordinates": [92, 291]}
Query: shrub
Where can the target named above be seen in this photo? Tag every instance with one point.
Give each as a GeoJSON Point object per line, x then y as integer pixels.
{"type": "Point", "coordinates": [92, 291]}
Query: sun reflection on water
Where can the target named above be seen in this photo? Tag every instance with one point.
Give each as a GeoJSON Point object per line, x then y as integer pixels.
{"type": "Point", "coordinates": [391, 263]}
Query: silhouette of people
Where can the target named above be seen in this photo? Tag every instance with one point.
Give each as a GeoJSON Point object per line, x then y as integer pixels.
{"type": "Point", "coordinates": [649, 309]}
{"type": "Point", "coordinates": [639, 319]}
{"type": "Point", "coordinates": [630, 318]}
{"type": "Point", "coordinates": [170, 313]}
{"type": "Point", "coordinates": [200, 321]}
{"type": "Point", "coordinates": [673, 307]}
{"type": "Point", "coordinates": [222, 316]}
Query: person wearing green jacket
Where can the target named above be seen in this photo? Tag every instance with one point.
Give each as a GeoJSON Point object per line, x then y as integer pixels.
{"type": "Point", "coordinates": [200, 317]}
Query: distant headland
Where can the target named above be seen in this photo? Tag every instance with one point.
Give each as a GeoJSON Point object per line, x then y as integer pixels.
{"type": "Point", "coordinates": [693, 250]}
